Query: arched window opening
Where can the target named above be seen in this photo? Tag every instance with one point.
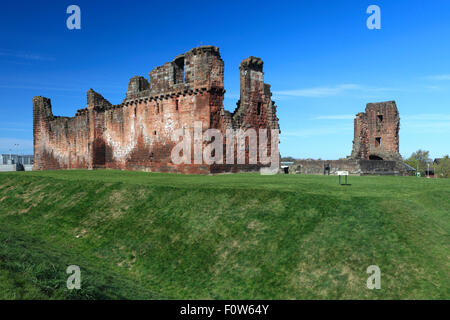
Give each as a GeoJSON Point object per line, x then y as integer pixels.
{"type": "Point", "coordinates": [374, 157]}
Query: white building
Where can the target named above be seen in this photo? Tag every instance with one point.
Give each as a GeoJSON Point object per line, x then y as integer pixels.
{"type": "Point", "coordinates": [15, 158]}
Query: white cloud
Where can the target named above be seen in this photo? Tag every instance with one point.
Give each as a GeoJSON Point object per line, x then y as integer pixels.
{"type": "Point", "coordinates": [320, 92]}
{"type": "Point", "coordinates": [335, 117]}
{"type": "Point", "coordinates": [439, 77]}
{"type": "Point", "coordinates": [419, 123]}
{"type": "Point", "coordinates": [6, 86]}
{"type": "Point", "coordinates": [427, 117]}
{"type": "Point", "coordinates": [436, 123]}
{"type": "Point", "coordinates": [15, 129]}
{"type": "Point", "coordinates": [24, 55]}
{"type": "Point", "coordinates": [232, 95]}
{"type": "Point", "coordinates": [25, 146]}
{"type": "Point", "coordinates": [316, 131]}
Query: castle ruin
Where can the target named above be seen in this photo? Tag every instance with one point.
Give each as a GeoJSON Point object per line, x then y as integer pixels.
{"type": "Point", "coordinates": [137, 134]}
{"type": "Point", "coordinates": [377, 133]}
{"type": "Point", "coordinates": [375, 146]}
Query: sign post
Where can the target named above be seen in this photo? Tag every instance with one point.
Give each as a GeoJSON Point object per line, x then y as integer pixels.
{"type": "Point", "coordinates": [343, 173]}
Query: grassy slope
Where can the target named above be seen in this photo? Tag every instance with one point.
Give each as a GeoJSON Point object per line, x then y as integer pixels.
{"type": "Point", "coordinates": [141, 235]}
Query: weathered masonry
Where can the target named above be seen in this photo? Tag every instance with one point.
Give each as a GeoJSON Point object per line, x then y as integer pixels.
{"type": "Point", "coordinates": [377, 133]}
{"type": "Point", "coordinates": [137, 134]}
{"type": "Point", "coordinates": [375, 146]}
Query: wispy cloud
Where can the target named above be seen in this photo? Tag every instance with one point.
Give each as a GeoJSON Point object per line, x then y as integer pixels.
{"type": "Point", "coordinates": [320, 92]}
{"type": "Point", "coordinates": [7, 144]}
{"type": "Point", "coordinates": [24, 55]}
{"type": "Point", "coordinates": [15, 129]}
{"type": "Point", "coordinates": [430, 125]}
{"type": "Point", "coordinates": [408, 117]}
{"type": "Point", "coordinates": [434, 88]}
{"type": "Point", "coordinates": [316, 131]}
{"type": "Point", "coordinates": [335, 117]}
{"type": "Point", "coordinates": [80, 88]}
{"type": "Point", "coordinates": [425, 122]}
{"type": "Point", "coordinates": [435, 123]}
{"type": "Point", "coordinates": [427, 117]}
{"type": "Point", "coordinates": [232, 95]}
{"type": "Point", "coordinates": [9, 126]}
{"type": "Point", "coordinates": [438, 77]}
{"type": "Point", "coordinates": [22, 87]}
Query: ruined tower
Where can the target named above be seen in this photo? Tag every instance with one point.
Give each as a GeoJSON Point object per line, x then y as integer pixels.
{"type": "Point", "coordinates": [376, 135]}
{"type": "Point", "coordinates": [137, 134]}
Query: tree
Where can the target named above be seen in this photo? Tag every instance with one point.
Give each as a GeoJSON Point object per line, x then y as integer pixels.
{"type": "Point", "coordinates": [419, 160]}
{"type": "Point", "coordinates": [443, 168]}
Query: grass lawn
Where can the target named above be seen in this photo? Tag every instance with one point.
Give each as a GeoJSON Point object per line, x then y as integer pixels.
{"type": "Point", "coordinates": [138, 235]}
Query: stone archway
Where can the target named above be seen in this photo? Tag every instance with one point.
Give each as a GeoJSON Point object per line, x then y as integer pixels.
{"type": "Point", "coordinates": [375, 157]}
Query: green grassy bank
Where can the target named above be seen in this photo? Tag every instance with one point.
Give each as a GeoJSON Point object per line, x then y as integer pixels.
{"type": "Point", "coordinates": [139, 235]}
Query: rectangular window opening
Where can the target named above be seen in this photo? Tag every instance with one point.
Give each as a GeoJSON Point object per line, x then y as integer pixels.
{"type": "Point", "coordinates": [378, 142]}
{"type": "Point", "coordinates": [178, 70]}
{"type": "Point", "coordinates": [380, 118]}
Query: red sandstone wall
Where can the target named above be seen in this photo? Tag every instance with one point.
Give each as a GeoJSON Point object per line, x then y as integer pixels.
{"type": "Point", "coordinates": [381, 120]}
{"type": "Point", "coordinates": [59, 142]}
{"type": "Point", "coordinates": [387, 129]}
{"type": "Point", "coordinates": [255, 109]}
{"type": "Point", "coordinates": [137, 134]}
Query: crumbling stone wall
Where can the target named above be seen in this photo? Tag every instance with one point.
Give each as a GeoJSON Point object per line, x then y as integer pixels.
{"type": "Point", "coordinates": [353, 166]}
{"type": "Point", "coordinates": [137, 134]}
{"type": "Point", "coordinates": [376, 135]}
{"type": "Point", "coordinates": [255, 110]}
{"type": "Point", "coordinates": [375, 146]}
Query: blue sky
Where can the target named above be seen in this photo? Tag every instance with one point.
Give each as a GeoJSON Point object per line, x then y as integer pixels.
{"type": "Point", "coordinates": [322, 61]}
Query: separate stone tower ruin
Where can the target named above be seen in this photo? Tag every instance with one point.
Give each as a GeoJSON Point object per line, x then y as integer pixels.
{"type": "Point", "coordinates": [137, 134]}
{"type": "Point", "coordinates": [377, 133]}
{"type": "Point", "coordinates": [375, 146]}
